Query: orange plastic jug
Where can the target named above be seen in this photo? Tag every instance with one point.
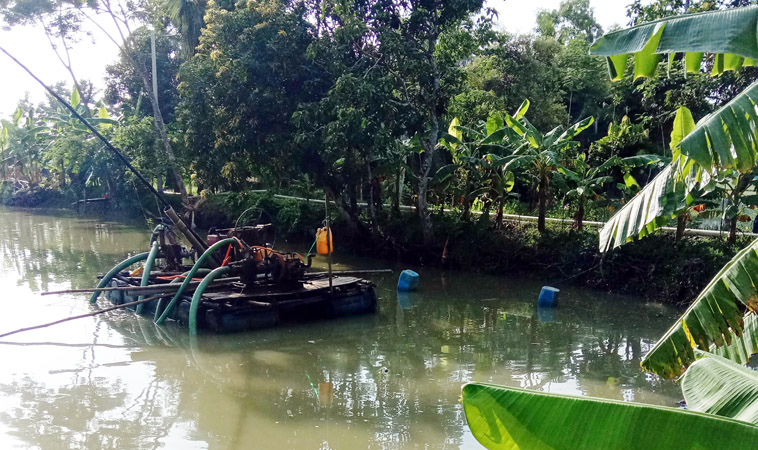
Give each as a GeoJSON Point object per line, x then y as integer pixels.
{"type": "Point", "coordinates": [324, 244]}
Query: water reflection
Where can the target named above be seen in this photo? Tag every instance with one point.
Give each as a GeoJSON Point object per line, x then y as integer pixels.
{"type": "Point", "coordinates": [45, 249]}
{"type": "Point", "coordinates": [385, 381]}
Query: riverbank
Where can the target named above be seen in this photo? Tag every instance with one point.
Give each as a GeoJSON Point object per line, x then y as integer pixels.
{"type": "Point", "coordinates": [657, 268]}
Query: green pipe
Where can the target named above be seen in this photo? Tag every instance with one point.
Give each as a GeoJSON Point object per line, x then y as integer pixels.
{"type": "Point", "coordinates": [114, 271]}
{"type": "Point", "coordinates": [195, 305]}
{"type": "Point", "coordinates": [146, 273]}
{"type": "Point", "coordinates": [162, 300]}
{"type": "Point", "coordinates": [207, 254]}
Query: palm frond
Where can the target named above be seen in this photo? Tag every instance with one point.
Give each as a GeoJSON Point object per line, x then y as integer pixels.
{"type": "Point", "coordinates": [643, 214]}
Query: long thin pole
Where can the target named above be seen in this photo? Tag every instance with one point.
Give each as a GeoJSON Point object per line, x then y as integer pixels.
{"type": "Point", "coordinates": [155, 65]}
{"type": "Point", "coordinates": [81, 316]}
{"type": "Point", "coordinates": [328, 244]}
{"type": "Point", "coordinates": [166, 287]}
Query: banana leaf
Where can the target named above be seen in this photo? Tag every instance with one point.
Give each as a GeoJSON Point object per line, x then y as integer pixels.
{"type": "Point", "coordinates": [714, 318]}
{"type": "Point", "coordinates": [718, 386]}
{"type": "Point", "coordinates": [730, 34]}
{"type": "Point", "coordinates": [742, 347]}
{"type": "Point", "coordinates": [643, 214]}
{"type": "Point", "coordinates": [510, 418]}
{"type": "Point", "coordinates": [660, 200]}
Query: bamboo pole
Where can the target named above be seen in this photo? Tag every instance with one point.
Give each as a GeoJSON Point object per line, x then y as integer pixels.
{"type": "Point", "coordinates": [350, 272]}
{"type": "Point", "coordinates": [81, 316]}
{"type": "Point", "coordinates": [328, 244]}
{"type": "Point", "coordinates": [167, 287]}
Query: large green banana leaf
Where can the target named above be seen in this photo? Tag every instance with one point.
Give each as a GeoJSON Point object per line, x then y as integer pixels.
{"type": "Point", "coordinates": [659, 200]}
{"type": "Point", "coordinates": [509, 418]}
{"type": "Point", "coordinates": [730, 34]}
{"type": "Point", "coordinates": [742, 347]}
{"type": "Point", "coordinates": [726, 139]}
{"type": "Point", "coordinates": [718, 386]}
{"type": "Point", "coordinates": [714, 318]}
{"type": "Point", "coordinates": [643, 214]}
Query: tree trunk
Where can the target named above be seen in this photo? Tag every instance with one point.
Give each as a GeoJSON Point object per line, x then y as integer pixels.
{"type": "Point", "coordinates": [742, 184]}
{"type": "Point", "coordinates": [732, 230]}
{"type": "Point", "coordinates": [160, 127]}
{"type": "Point", "coordinates": [681, 223]}
{"type": "Point", "coordinates": [579, 216]}
{"type": "Point", "coordinates": [542, 208]}
{"type": "Point", "coordinates": [423, 188]}
{"type": "Point", "coordinates": [429, 144]}
{"type": "Point", "coordinates": [499, 217]}
{"type": "Point", "coordinates": [398, 194]}
{"type": "Point", "coordinates": [466, 204]}
{"type": "Point", "coordinates": [372, 202]}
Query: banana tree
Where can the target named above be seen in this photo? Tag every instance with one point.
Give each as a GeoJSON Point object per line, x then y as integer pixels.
{"type": "Point", "coordinates": [475, 155]}
{"type": "Point", "coordinates": [540, 154]}
{"type": "Point", "coordinates": [584, 182]}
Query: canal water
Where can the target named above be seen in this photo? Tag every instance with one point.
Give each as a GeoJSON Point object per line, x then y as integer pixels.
{"type": "Point", "coordinates": [390, 380]}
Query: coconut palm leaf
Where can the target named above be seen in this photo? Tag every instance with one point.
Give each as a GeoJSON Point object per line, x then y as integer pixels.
{"type": "Point", "coordinates": [742, 347]}
{"type": "Point", "coordinates": [509, 418]}
{"type": "Point", "coordinates": [730, 34]}
{"type": "Point", "coordinates": [714, 318]}
{"type": "Point", "coordinates": [718, 386]}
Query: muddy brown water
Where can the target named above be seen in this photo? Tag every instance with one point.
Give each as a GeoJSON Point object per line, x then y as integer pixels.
{"type": "Point", "coordinates": [390, 380]}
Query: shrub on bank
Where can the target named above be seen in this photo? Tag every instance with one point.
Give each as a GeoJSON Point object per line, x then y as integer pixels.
{"type": "Point", "coordinates": [656, 267]}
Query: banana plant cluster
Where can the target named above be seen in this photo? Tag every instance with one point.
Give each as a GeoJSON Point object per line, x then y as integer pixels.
{"type": "Point", "coordinates": [707, 347]}
{"type": "Point", "coordinates": [37, 140]}
{"type": "Point", "coordinates": [508, 148]}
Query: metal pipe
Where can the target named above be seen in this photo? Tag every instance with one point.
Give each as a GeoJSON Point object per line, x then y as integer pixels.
{"type": "Point", "coordinates": [197, 243]}
{"type": "Point", "coordinates": [518, 217]}
{"type": "Point", "coordinates": [195, 304]}
{"type": "Point", "coordinates": [192, 271]}
{"type": "Point", "coordinates": [116, 269]}
{"type": "Point", "coordinates": [146, 273]}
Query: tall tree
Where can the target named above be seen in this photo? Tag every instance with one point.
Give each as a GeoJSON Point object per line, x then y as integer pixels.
{"type": "Point", "coordinates": [410, 35]}
{"type": "Point", "coordinates": [573, 19]}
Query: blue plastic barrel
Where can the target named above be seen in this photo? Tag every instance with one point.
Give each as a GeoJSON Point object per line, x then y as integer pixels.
{"type": "Point", "coordinates": [548, 297]}
{"type": "Point", "coordinates": [408, 281]}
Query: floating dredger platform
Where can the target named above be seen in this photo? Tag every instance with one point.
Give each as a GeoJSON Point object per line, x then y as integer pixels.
{"type": "Point", "coordinates": [237, 284]}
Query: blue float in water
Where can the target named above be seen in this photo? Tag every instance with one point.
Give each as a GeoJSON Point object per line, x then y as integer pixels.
{"type": "Point", "coordinates": [548, 297]}
{"type": "Point", "coordinates": [408, 281]}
